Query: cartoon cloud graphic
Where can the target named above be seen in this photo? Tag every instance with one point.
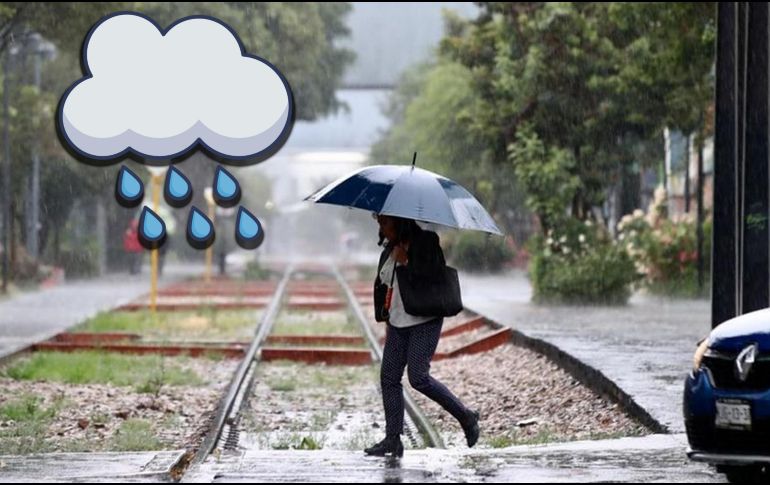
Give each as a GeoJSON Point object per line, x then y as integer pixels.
{"type": "Point", "coordinates": [159, 94]}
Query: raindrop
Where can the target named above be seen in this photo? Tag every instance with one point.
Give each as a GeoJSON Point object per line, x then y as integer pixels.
{"type": "Point", "coordinates": [152, 229]}
{"type": "Point", "coordinates": [129, 190]}
{"type": "Point", "coordinates": [177, 190]}
{"type": "Point", "coordinates": [200, 230]}
{"type": "Point", "coordinates": [248, 230]}
{"type": "Point", "coordinates": [227, 191]}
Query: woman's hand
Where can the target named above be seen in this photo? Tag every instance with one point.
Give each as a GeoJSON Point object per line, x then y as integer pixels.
{"type": "Point", "coordinates": [400, 254]}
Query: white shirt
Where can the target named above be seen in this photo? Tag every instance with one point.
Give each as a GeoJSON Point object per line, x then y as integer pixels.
{"type": "Point", "coordinates": [398, 316]}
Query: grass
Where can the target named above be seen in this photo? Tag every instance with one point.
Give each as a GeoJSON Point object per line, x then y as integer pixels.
{"type": "Point", "coordinates": [299, 322]}
{"type": "Point", "coordinates": [281, 385]}
{"type": "Point", "coordinates": [208, 323]}
{"type": "Point", "coordinates": [30, 421]}
{"type": "Point", "coordinates": [360, 439]}
{"type": "Point", "coordinates": [27, 420]}
{"type": "Point", "coordinates": [323, 377]}
{"type": "Point", "coordinates": [310, 275]}
{"type": "Point", "coordinates": [316, 386]}
{"type": "Point", "coordinates": [514, 438]}
{"type": "Point", "coordinates": [548, 435]}
{"type": "Point", "coordinates": [295, 441]}
{"type": "Point", "coordinates": [321, 420]}
{"type": "Point", "coordinates": [145, 373]}
{"type": "Point", "coordinates": [135, 435]}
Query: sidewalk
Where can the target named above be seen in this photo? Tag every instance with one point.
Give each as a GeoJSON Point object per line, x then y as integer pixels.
{"type": "Point", "coordinates": [38, 315]}
{"type": "Point", "coordinates": [655, 458]}
{"type": "Point", "coordinates": [646, 348]}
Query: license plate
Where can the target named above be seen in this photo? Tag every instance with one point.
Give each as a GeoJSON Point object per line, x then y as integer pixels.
{"type": "Point", "coordinates": [733, 415]}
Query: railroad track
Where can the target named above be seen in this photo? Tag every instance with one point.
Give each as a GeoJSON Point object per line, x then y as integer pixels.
{"type": "Point", "coordinates": [227, 426]}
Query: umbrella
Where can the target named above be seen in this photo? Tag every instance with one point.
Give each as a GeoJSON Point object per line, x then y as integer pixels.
{"type": "Point", "coordinates": [409, 192]}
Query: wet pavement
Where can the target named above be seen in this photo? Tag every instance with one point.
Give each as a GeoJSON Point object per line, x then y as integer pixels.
{"type": "Point", "coordinates": [90, 467]}
{"type": "Point", "coordinates": [30, 317]}
{"type": "Point", "coordinates": [648, 459]}
{"type": "Point", "coordinates": [646, 347]}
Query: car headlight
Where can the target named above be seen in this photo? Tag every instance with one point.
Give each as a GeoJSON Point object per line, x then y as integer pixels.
{"type": "Point", "coordinates": [699, 353]}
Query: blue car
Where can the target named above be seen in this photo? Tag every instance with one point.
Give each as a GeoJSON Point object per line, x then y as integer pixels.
{"type": "Point", "coordinates": [727, 399]}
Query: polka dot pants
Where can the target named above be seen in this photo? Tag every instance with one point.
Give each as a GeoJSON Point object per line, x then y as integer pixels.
{"type": "Point", "coordinates": [413, 347]}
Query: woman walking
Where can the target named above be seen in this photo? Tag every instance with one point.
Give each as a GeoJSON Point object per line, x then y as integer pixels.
{"type": "Point", "coordinates": [411, 340]}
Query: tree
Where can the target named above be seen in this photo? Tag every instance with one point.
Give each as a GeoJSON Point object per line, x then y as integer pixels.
{"type": "Point", "coordinates": [64, 23]}
{"type": "Point", "coordinates": [430, 111]}
{"type": "Point", "coordinates": [299, 38]}
{"type": "Point", "coordinates": [590, 78]}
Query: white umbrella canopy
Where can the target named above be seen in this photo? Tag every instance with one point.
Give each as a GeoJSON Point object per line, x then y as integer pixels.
{"type": "Point", "coordinates": [409, 192]}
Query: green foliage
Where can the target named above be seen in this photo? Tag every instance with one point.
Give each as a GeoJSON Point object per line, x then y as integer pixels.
{"type": "Point", "coordinates": [297, 441]}
{"type": "Point", "coordinates": [431, 110]}
{"type": "Point", "coordinates": [135, 435]}
{"type": "Point", "coordinates": [204, 324]}
{"type": "Point", "coordinates": [546, 174]}
{"type": "Point", "coordinates": [666, 252]}
{"type": "Point", "coordinates": [255, 272]}
{"type": "Point", "coordinates": [100, 368]}
{"type": "Point", "coordinates": [580, 264]}
{"type": "Point", "coordinates": [26, 408]}
{"type": "Point", "coordinates": [302, 322]}
{"type": "Point", "coordinates": [587, 83]}
{"type": "Point", "coordinates": [476, 251]}
{"type": "Point", "coordinates": [64, 23]}
{"type": "Point", "coordinates": [30, 421]}
{"type": "Point", "coordinates": [301, 39]}
{"type": "Point", "coordinates": [78, 262]}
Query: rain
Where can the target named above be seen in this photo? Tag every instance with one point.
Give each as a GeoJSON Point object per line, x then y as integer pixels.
{"type": "Point", "coordinates": [195, 199]}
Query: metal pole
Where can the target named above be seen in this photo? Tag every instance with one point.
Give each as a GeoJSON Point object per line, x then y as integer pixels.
{"type": "Point", "coordinates": [6, 175]}
{"type": "Point", "coordinates": [32, 233]}
{"type": "Point", "coordinates": [34, 242]}
{"type": "Point", "coordinates": [724, 262]}
{"type": "Point", "coordinates": [156, 181]}
{"type": "Point", "coordinates": [756, 237]}
{"type": "Point", "coordinates": [210, 249]}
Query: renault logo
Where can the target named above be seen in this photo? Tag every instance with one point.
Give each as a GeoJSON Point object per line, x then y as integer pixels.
{"type": "Point", "coordinates": [744, 361]}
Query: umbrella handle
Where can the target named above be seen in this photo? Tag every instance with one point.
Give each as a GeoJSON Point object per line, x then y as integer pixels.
{"type": "Point", "coordinates": [388, 298]}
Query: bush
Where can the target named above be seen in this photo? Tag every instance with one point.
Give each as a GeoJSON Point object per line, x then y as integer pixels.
{"type": "Point", "coordinates": [79, 262]}
{"type": "Point", "coordinates": [580, 264]}
{"type": "Point", "coordinates": [255, 272]}
{"type": "Point", "coordinates": [665, 251]}
{"type": "Point", "coordinates": [476, 251]}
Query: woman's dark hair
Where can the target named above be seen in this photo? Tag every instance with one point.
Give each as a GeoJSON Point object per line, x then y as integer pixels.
{"type": "Point", "coordinates": [405, 229]}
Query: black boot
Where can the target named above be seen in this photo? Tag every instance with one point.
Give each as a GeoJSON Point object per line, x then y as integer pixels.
{"type": "Point", "coordinates": [391, 445]}
{"type": "Point", "coordinates": [471, 428]}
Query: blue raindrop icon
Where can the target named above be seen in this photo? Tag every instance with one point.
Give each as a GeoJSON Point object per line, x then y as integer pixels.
{"type": "Point", "coordinates": [227, 191]}
{"type": "Point", "coordinates": [200, 230]}
{"type": "Point", "coordinates": [248, 230]}
{"type": "Point", "coordinates": [177, 190]}
{"type": "Point", "coordinates": [129, 190]}
{"type": "Point", "coordinates": [152, 229]}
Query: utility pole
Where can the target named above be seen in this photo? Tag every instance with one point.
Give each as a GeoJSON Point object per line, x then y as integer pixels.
{"type": "Point", "coordinates": [40, 49]}
{"type": "Point", "coordinates": [740, 260]}
{"type": "Point", "coordinates": [34, 185]}
{"type": "Point", "coordinates": [6, 172]}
